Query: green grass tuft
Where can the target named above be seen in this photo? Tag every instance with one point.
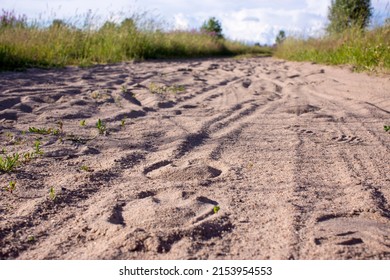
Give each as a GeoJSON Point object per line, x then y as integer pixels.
{"type": "Point", "coordinates": [9, 163]}
{"type": "Point", "coordinates": [364, 50]}
{"type": "Point", "coordinates": [101, 126]}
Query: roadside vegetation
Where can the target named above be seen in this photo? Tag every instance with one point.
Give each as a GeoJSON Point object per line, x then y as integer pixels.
{"type": "Point", "coordinates": [347, 40]}
{"type": "Point", "coordinates": [25, 43]}
{"type": "Point", "coordinates": [83, 42]}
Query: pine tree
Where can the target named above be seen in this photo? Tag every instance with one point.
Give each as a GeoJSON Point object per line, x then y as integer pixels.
{"type": "Point", "coordinates": [281, 37]}
{"type": "Point", "coordinates": [345, 14]}
{"type": "Point", "coordinates": [212, 27]}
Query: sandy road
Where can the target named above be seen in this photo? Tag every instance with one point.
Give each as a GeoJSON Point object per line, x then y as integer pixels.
{"type": "Point", "coordinates": [294, 155]}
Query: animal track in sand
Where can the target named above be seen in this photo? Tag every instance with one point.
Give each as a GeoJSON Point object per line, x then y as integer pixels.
{"type": "Point", "coordinates": [298, 129]}
{"type": "Point", "coordinates": [351, 242]}
{"type": "Point", "coordinates": [246, 83]}
{"type": "Point", "coordinates": [145, 194]}
{"type": "Point", "coordinates": [347, 139]}
{"type": "Point", "coordinates": [354, 233]}
{"type": "Point", "coordinates": [191, 171]}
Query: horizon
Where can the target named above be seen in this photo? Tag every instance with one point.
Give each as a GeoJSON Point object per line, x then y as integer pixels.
{"type": "Point", "coordinates": [247, 21]}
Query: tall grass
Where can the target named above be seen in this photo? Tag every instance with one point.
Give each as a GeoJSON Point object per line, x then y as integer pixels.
{"type": "Point", "coordinates": [33, 45]}
{"type": "Point", "coordinates": [365, 50]}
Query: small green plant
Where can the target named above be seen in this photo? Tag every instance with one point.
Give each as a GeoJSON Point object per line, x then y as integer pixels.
{"type": "Point", "coordinates": [27, 156]}
{"type": "Point", "coordinates": [154, 88]}
{"type": "Point", "coordinates": [60, 127]}
{"type": "Point", "coordinates": [96, 94]}
{"type": "Point", "coordinates": [11, 187]}
{"type": "Point", "coordinates": [44, 131]}
{"type": "Point", "coordinates": [101, 127]}
{"type": "Point", "coordinates": [85, 168]}
{"type": "Point", "coordinates": [31, 238]}
{"type": "Point", "coordinates": [216, 209]}
{"type": "Point", "coordinates": [52, 194]}
{"type": "Point", "coordinates": [387, 128]}
{"type": "Point", "coordinates": [124, 89]}
{"type": "Point", "coordinates": [8, 163]}
{"type": "Point", "coordinates": [3, 151]}
{"type": "Point", "coordinates": [37, 147]}
{"type": "Point", "coordinates": [82, 123]}
{"type": "Point", "coordinates": [123, 122]}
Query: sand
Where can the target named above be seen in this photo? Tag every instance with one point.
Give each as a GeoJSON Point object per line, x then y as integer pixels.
{"type": "Point", "coordinates": [294, 155]}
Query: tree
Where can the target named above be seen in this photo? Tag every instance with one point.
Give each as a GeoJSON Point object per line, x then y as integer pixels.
{"type": "Point", "coordinates": [344, 14]}
{"type": "Point", "coordinates": [212, 27]}
{"type": "Point", "coordinates": [281, 37]}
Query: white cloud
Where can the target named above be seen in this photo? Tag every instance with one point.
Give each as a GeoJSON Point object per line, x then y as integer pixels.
{"type": "Point", "coordinates": [319, 7]}
{"type": "Point", "coordinates": [181, 22]}
{"type": "Point", "coordinates": [259, 25]}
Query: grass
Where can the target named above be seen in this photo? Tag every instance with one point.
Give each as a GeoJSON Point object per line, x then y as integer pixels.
{"type": "Point", "coordinates": [24, 44]}
{"type": "Point", "coordinates": [11, 187]}
{"type": "Point", "coordinates": [37, 147]}
{"type": "Point", "coordinates": [44, 131]}
{"type": "Point", "coordinates": [52, 194]}
{"type": "Point", "coordinates": [123, 122]}
{"type": "Point", "coordinates": [387, 128]}
{"type": "Point", "coordinates": [364, 50]}
{"type": "Point", "coordinates": [157, 89]}
{"type": "Point", "coordinates": [85, 168]}
{"type": "Point", "coordinates": [101, 127]}
{"type": "Point", "coordinates": [9, 163]}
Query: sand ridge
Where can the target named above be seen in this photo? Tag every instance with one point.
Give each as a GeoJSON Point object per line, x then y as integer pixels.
{"type": "Point", "coordinates": [293, 154]}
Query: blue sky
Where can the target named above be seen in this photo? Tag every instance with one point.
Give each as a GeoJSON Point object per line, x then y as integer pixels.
{"type": "Point", "coordinates": [245, 20]}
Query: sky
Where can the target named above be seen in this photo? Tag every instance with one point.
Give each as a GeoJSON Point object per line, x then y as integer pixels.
{"type": "Point", "coordinates": [252, 21]}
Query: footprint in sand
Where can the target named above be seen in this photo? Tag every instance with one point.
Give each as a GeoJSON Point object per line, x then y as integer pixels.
{"type": "Point", "coordinates": [246, 83]}
{"type": "Point", "coordinates": [347, 139]}
{"type": "Point", "coordinates": [197, 171]}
